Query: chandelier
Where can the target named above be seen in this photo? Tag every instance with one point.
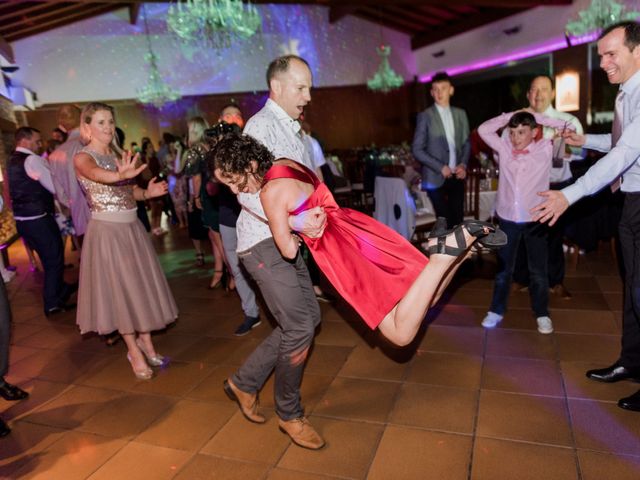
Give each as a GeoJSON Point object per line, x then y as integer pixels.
{"type": "Point", "coordinates": [599, 15]}
{"type": "Point", "coordinates": [385, 78]}
{"type": "Point", "coordinates": [156, 92]}
{"type": "Point", "coordinates": [215, 22]}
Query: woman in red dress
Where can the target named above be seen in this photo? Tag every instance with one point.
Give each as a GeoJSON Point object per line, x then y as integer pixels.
{"type": "Point", "coordinates": [389, 282]}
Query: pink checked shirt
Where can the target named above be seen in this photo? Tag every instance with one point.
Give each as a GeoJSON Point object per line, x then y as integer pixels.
{"type": "Point", "coordinates": [522, 175]}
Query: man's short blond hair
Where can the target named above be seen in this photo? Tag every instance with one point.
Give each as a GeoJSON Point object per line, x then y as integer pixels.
{"type": "Point", "coordinates": [69, 117]}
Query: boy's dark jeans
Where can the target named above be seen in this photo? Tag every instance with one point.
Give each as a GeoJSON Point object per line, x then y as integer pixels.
{"type": "Point", "coordinates": [534, 235]}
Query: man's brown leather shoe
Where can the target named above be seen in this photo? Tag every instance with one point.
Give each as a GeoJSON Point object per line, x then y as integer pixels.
{"type": "Point", "coordinates": [248, 402]}
{"type": "Point", "coordinates": [302, 433]}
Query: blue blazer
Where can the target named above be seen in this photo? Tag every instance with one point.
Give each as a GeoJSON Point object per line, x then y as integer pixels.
{"type": "Point", "coordinates": [430, 146]}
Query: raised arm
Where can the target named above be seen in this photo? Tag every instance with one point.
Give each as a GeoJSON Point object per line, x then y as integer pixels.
{"type": "Point", "coordinates": [488, 131]}
{"type": "Point", "coordinates": [87, 167]}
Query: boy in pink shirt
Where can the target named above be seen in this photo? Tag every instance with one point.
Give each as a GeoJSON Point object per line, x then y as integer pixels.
{"type": "Point", "coordinates": [524, 171]}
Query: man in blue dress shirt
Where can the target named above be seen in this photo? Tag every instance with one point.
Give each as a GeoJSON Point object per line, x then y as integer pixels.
{"type": "Point", "coordinates": [620, 59]}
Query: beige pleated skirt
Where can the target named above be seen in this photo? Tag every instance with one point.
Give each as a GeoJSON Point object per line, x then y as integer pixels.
{"type": "Point", "coordinates": [122, 286]}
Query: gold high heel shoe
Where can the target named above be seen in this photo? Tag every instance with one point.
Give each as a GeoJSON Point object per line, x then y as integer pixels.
{"type": "Point", "coordinates": [145, 374]}
{"type": "Point", "coordinates": [155, 360]}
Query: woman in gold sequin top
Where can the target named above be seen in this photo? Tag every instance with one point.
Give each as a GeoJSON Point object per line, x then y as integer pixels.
{"type": "Point", "coordinates": [122, 286]}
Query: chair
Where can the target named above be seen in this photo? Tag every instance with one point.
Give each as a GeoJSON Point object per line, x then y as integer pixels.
{"type": "Point", "coordinates": [471, 207]}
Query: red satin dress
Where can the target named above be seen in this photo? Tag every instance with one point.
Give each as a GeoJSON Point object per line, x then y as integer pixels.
{"type": "Point", "coordinates": [369, 264]}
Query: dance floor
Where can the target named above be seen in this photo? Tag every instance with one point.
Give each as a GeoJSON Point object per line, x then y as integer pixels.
{"type": "Point", "coordinates": [460, 403]}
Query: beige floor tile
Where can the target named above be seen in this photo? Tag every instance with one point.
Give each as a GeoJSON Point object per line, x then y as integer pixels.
{"type": "Point", "coordinates": [73, 407]}
{"type": "Point", "coordinates": [351, 398]}
{"type": "Point", "coordinates": [127, 414]}
{"type": "Point", "coordinates": [372, 362]}
{"type": "Point", "coordinates": [116, 374]}
{"type": "Point", "coordinates": [464, 340]}
{"type": "Point", "coordinates": [312, 390]}
{"type": "Point", "coordinates": [40, 392]}
{"type": "Point", "coordinates": [522, 375]}
{"type": "Point", "coordinates": [517, 343]}
{"type": "Point", "coordinates": [588, 348]}
{"type": "Point", "coordinates": [609, 283]}
{"type": "Point", "coordinates": [493, 459]}
{"type": "Point", "coordinates": [188, 424]}
{"type": "Point", "coordinates": [25, 443]}
{"type": "Point", "coordinates": [282, 474]}
{"type": "Point", "coordinates": [144, 462]}
{"type": "Point", "coordinates": [598, 465]}
{"type": "Point", "coordinates": [63, 366]}
{"type": "Point", "coordinates": [456, 315]}
{"type": "Point", "coordinates": [614, 300]}
{"type": "Point", "coordinates": [217, 350]}
{"type": "Point", "coordinates": [524, 417]}
{"type": "Point", "coordinates": [348, 452]}
{"type": "Point", "coordinates": [327, 359]}
{"type": "Point", "coordinates": [406, 453]}
{"type": "Point", "coordinates": [53, 337]}
{"type": "Point", "coordinates": [74, 457]}
{"type": "Point", "coordinates": [436, 408]}
{"type": "Point", "coordinates": [206, 467]}
{"type": "Point", "coordinates": [341, 334]}
{"type": "Point", "coordinates": [579, 386]}
{"type": "Point", "coordinates": [252, 442]}
{"type": "Point", "coordinates": [445, 369]}
{"type": "Point", "coordinates": [18, 353]}
{"type": "Point", "coordinates": [20, 331]}
{"type": "Point", "coordinates": [605, 427]}
{"type": "Point", "coordinates": [589, 321]}
{"type": "Point", "coordinates": [210, 388]}
{"type": "Point", "coordinates": [177, 379]}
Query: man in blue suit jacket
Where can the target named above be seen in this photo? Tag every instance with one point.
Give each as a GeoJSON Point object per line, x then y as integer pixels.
{"type": "Point", "coordinates": [441, 145]}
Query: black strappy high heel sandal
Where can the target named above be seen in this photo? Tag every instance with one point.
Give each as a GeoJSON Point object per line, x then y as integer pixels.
{"type": "Point", "coordinates": [488, 235]}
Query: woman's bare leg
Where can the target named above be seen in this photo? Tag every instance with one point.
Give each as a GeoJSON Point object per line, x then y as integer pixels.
{"type": "Point", "coordinates": [401, 324]}
{"type": "Point", "coordinates": [144, 338]}
{"type": "Point", "coordinates": [218, 256]}
{"type": "Point", "coordinates": [138, 363]}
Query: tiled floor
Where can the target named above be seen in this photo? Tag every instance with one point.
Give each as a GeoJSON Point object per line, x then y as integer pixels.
{"type": "Point", "coordinates": [460, 403]}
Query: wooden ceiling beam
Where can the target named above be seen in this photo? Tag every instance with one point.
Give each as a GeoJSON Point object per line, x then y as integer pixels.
{"type": "Point", "coordinates": [475, 21]}
{"type": "Point", "coordinates": [38, 17]}
{"type": "Point", "coordinates": [392, 23]}
{"type": "Point", "coordinates": [474, 3]}
{"type": "Point", "coordinates": [337, 13]}
{"type": "Point", "coordinates": [441, 13]}
{"type": "Point", "coordinates": [378, 16]}
{"type": "Point", "coordinates": [134, 12]}
{"type": "Point", "coordinates": [82, 14]}
{"type": "Point", "coordinates": [6, 51]}
{"type": "Point", "coordinates": [414, 14]}
{"type": "Point", "coordinates": [9, 11]}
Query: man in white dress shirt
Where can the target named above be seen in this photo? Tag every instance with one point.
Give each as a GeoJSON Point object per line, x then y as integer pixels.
{"type": "Point", "coordinates": [619, 50]}
{"type": "Point", "coordinates": [31, 190]}
{"type": "Point", "coordinates": [285, 286]}
{"type": "Point", "coordinates": [540, 95]}
{"type": "Point", "coordinates": [68, 191]}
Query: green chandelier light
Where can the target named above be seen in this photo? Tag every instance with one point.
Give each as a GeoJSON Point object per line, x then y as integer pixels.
{"type": "Point", "coordinates": [599, 15]}
{"type": "Point", "coordinates": [214, 22]}
{"type": "Point", "coordinates": [385, 78]}
{"type": "Point", "coordinates": [156, 92]}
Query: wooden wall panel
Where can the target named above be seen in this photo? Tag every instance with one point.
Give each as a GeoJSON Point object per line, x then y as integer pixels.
{"type": "Point", "coordinates": [341, 117]}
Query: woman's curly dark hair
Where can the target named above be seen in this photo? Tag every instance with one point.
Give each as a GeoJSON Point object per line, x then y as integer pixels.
{"type": "Point", "coordinates": [233, 153]}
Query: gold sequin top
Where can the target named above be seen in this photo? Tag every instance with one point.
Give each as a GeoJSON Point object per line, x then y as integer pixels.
{"type": "Point", "coordinates": [107, 198]}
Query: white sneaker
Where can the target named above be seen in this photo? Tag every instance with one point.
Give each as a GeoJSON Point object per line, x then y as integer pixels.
{"type": "Point", "coordinates": [545, 325]}
{"type": "Point", "coordinates": [491, 320]}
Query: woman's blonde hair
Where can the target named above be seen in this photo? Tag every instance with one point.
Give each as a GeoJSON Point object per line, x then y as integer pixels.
{"type": "Point", "coordinates": [86, 116]}
{"type": "Point", "coordinates": [197, 126]}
